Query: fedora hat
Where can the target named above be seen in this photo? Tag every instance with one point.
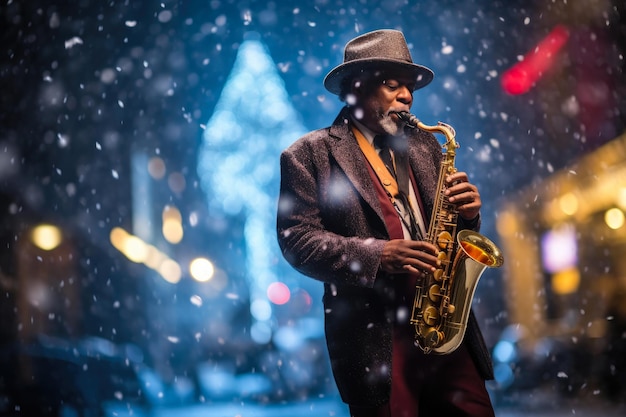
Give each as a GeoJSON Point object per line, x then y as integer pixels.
{"type": "Point", "coordinates": [380, 49]}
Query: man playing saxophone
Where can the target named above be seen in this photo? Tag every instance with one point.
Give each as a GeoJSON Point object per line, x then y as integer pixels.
{"type": "Point", "coordinates": [354, 208]}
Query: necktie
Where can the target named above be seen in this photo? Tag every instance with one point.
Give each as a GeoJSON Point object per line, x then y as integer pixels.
{"type": "Point", "coordinates": [408, 217]}
{"type": "Point", "coordinates": [381, 143]}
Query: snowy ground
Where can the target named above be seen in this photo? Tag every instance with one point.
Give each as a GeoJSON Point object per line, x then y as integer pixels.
{"type": "Point", "coordinates": [334, 408]}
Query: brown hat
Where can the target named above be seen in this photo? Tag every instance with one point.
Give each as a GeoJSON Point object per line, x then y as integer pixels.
{"type": "Point", "coordinates": [379, 49]}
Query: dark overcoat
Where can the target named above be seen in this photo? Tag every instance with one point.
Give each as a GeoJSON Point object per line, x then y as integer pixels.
{"type": "Point", "coordinates": [331, 227]}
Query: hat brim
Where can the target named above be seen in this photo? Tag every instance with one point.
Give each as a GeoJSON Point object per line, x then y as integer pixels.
{"type": "Point", "coordinates": [335, 78]}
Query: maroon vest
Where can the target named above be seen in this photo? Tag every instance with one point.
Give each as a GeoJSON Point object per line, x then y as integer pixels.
{"type": "Point", "coordinates": [390, 215]}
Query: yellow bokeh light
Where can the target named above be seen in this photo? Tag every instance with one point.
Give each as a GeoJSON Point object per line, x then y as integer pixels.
{"type": "Point", "coordinates": [201, 269]}
{"type": "Point", "coordinates": [568, 204]}
{"type": "Point", "coordinates": [173, 231]}
{"type": "Point", "coordinates": [118, 236]}
{"type": "Point", "coordinates": [47, 236]}
{"type": "Point", "coordinates": [154, 257]}
{"type": "Point", "coordinates": [172, 224]}
{"type": "Point", "coordinates": [170, 271]}
{"type": "Point", "coordinates": [139, 251]}
{"type": "Point", "coordinates": [566, 281]}
{"type": "Point", "coordinates": [135, 249]}
{"type": "Point", "coordinates": [614, 218]}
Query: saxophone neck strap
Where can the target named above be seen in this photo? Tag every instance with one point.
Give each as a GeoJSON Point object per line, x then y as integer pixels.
{"type": "Point", "coordinates": [395, 189]}
{"type": "Point", "coordinates": [383, 174]}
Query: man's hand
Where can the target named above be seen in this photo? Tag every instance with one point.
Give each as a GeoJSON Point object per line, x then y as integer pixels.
{"type": "Point", "coordinates": [402, 256]}
{"type": "Point", "coordinates": [464, 195]}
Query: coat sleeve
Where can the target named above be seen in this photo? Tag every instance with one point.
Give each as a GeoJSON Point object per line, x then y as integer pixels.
{"type": "Point", "coordinates": [322, 227]}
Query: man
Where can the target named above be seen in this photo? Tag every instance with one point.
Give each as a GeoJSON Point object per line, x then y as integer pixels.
{"type": "Point", "coordinates": [339, 223]}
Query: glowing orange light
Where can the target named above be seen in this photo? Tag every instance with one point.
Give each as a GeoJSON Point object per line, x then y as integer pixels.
{"type": "Point", "coordinates": [522, 76]}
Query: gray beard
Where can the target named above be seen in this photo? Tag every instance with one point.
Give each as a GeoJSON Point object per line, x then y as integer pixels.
{"type": "Point", "coordinates": [389, 125]}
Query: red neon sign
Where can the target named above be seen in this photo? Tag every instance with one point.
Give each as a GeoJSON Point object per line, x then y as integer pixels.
{"type": "Point", "coordinates": [522, 76]}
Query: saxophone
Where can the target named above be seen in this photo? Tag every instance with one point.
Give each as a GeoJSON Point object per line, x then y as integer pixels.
{"type": "Point", "coordinates": [443, 299]}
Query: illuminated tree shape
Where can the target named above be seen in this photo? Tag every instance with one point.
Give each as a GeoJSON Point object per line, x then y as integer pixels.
{"type": "Point", "coordinates": [238, 163]}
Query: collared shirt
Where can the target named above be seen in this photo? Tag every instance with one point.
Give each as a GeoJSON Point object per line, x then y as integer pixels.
{"type": "Point", "coordinates": [402, 211]}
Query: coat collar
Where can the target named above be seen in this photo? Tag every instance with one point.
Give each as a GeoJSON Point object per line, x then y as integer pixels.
{"type": "Point", "coordinates": [345, 149]}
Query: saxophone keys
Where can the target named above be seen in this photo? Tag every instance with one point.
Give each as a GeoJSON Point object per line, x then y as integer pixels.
{"type": "Point", "coordinates": [438, 274]}
{"type": "Point", "coordinates": [433, 338]}
{"type": "Point", "coordinates": [443, 239]}
{"type": "Point", "coordinates": [434, 293]}
{"type": "Point", "coordinates": [430, 316]}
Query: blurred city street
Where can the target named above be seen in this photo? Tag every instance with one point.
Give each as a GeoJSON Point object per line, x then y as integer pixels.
{"type": "Point", "coordinates": [334, 408]}
{"type": "Point", "coordinates": [586, 408]}
{"type": "Point", "coordinates": [140, 146]}
{"type": "Point", "coordinates": [318, 408]}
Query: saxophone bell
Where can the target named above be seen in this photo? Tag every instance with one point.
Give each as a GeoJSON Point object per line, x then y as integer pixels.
{"type": "Point", "coordinates": [445, 334]}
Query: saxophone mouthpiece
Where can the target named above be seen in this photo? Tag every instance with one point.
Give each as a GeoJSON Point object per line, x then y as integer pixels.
{"type": "Point", "coordinates": [409, 119]}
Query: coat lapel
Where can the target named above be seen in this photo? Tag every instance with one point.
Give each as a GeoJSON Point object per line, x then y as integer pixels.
{"type": "Point", "coordinates": [347, 153]}
{"type": "Point", "coordinates": [345, 149]}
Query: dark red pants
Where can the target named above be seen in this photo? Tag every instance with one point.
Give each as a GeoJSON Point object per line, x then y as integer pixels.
{"type": "Point", "coordinates": [431, 385]}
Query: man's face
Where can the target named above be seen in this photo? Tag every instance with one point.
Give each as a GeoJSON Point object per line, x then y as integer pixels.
{"type": "Point", "coordinates": [378, 98]}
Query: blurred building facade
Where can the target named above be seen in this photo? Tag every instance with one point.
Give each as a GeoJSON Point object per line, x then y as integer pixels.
{"type": "Point", "coordinates": [565, 240]}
